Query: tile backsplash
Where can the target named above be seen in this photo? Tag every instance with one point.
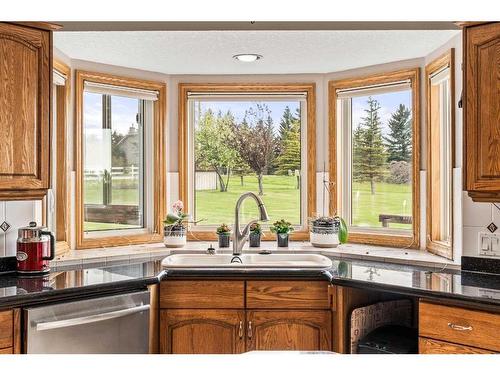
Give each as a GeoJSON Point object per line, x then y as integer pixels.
{"type": "Point", "coordinates": [16, 214]}
{"type": "Point", "coordinates": [476, 217]}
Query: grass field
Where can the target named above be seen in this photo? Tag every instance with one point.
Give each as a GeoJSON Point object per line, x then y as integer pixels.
{"type": "Point", "coordinates": [281, 197]}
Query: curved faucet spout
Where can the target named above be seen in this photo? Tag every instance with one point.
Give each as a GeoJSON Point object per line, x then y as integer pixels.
{"type": "Point", "coordinates": [241, 236]}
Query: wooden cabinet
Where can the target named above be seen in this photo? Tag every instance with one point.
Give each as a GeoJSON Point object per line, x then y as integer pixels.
{"type": "Point", "coordinates": [429, 346]}
{"type": "Point", "coordinates": [10, 331]}
{"type": "Point", "coordinates": [481, 111]}
{"type": "Point", "coordinates": [233, 316]}
{"type": "Point", "coordinates": [201, 331]}
{"type": "Point", "coordinates": [457, 329]}
{"type": "Point", "coordinates": [289, 330]}
{"type": "Point", "coordinates": [25, 79]}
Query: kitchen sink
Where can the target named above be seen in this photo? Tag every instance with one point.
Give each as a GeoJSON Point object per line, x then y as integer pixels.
{"type": "Point", "coordinates": [250, 261]}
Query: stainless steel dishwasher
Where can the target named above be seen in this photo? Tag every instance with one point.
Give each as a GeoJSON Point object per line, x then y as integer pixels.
{"type": "Point", "coordinates": [115, 324]}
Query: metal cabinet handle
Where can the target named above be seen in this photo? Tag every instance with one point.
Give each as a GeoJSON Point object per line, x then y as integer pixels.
{"type": "Point", "coordinates": [240, 330]}
{"type": "Point", "coordinates": [250, 330]}
{"type": "Point", "coordinates": [90, 319]}
{"type": "Point", "coordinates": [457, 327]}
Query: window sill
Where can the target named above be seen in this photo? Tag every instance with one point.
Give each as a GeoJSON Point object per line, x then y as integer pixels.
{"type": "Point", "coordinates": [134, 253]}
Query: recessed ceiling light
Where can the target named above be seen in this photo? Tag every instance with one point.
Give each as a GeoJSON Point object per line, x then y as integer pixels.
{"type": "Point", "coordinates": [247, 57]}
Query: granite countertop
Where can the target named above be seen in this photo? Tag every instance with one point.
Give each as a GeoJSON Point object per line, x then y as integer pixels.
{"type": "Point", "coordinates": [81, 280]}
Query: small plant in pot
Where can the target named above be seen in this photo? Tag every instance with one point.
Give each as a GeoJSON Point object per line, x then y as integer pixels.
{"type": "Point", "coordinates": [282, 228]}
{"type": "Point", "coordinates": [327, 231]}
{"type": "Point", "coordinates": [224, 234]}
{"type": "Point", "coordinates": [174, 229]}
{"type": "Point", "coordinates": [255, 235]}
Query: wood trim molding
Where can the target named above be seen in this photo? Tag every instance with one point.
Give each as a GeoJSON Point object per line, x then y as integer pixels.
{"type": "Point", "coordinates": [309, 88]}
{"type": "Point", "coordinates": [62, 177]}
{"type": "Point", "coordinates": [159, 160]}
{"type": "Point", "coordinates": [375, 237]}
{"type": "Point", "coordinates": [447, 59]}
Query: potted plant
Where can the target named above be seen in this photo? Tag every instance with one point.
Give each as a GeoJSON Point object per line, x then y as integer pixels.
{"type": "Point", "coordinates": [224, 233]}
{"type": "Point", "coordinates": [282, 229]}
{"type": "Point", "coordinates": [255, 235]}
{"type": "Point", "coordinates": [327, 231]}
{"type": "Point", "coordinates": [174, 230]}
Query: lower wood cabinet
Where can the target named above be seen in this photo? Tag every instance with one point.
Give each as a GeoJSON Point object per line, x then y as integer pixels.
{"type": "Point", "coordinates": [429, 346]}
{"type": "Point", "coordinates": [289, 330]}
{"type": "Point", "coordinates": [244, 315]}
{"type": "Point", "coordinates": [10, 331]}
{"type": "Point", "coordinates": [201, 331]}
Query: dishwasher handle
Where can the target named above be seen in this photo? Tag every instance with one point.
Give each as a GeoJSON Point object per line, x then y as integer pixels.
{"type": "Point", "coordinates": [44, 326]}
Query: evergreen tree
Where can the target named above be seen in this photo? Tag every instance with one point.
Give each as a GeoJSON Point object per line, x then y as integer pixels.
{"type": "Point", "coordinates": [368, 148]}
{"type": "Point", "coordinates": [399, 140]}
{"type": "Point", "coordinates": [287, 119]}
{"type": "Point", "coordinates": [289, 159]}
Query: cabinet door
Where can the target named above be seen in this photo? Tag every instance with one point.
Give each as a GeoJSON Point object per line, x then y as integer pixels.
{"type": "Point", "coordinates": [482, 111]}
{"type": "Point", "coordinates": [199, 331]}
{"type": "Point", "coordinates": [288, 330]}
{"type": "Point", "coordinates": [25, 75]}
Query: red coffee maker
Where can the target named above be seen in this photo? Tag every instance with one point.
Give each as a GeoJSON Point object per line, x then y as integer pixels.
{"type": "Point", "coordinates": [35, 247]}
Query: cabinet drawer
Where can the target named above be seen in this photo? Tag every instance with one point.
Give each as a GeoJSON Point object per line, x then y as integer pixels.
{"type": "Point", "coordinates": [6, 329]}
{"type": "Point", "coordinates": [269, 294]}
{"type": "Point", "coordinates": [213, 294]}
{"type": "Point", "coordinates": [461, 326]}
{"type": "Point", "coordinates": [429, 346]}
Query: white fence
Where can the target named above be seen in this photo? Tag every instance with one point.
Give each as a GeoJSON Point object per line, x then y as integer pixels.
{"type": "Point", "coordinates": [117, 173]}
{"type": "Point", "coordinates": [205, 180]}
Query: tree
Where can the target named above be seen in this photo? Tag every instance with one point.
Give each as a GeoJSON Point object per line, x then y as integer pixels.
{"type": "Point", "coordinates": [368, 149]}
{"type": "Point", "coordinates": [399, 140]}
{"type": "Point", "coordinates": [289, 159]}
{"type": "Point", "coordinates": [255, 141]}
{"type": "Point", "coordinates": [286, 123]}
{"type": "Point", "coordinates": [118, 157]}
{"type": "Point", "coordinates": [214, 139]}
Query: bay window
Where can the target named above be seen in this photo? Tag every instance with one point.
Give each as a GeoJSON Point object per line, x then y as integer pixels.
{"type": "Point", "coordinates": [374, 157]}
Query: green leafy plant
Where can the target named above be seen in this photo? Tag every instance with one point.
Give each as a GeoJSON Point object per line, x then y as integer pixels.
{"type": "Point", "coordinates": [343, 233]}
{"type": "Point", "coordinates": [177, 218]}
{"type": "Point", "coordinates": [255, 228]}
{"type": "Point", "coordinates": [281, 227]}
{"type": "Point", "coordinates": [223, 229]}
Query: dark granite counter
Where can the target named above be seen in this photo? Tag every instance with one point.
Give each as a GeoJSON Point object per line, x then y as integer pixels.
{"type": "Point", "coordinates": [76, 282]}
{"type": "Point", "coordinates": [93, 280]}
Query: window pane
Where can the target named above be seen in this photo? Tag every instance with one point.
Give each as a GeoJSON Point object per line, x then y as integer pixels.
{"type": "Point", "coordinates": [242, 146]}
{"type": "Point", "coordinates": [381, 161]}
{"type": "Point", "coordinates": [113, 163]}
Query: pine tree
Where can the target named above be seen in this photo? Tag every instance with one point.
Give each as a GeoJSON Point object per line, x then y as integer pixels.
{"type": "Point", "coordinates": [289, 159]}
{"type": "Point", "coordinates": [287, 120]}
{"type": "Point", "coordinates": [399, 139]}
{"type": "Point", "coordinates": [368, 149]}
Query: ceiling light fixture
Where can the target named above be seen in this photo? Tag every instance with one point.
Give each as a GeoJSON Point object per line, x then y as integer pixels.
{"type": "Point", "coordinates": [247, 57]}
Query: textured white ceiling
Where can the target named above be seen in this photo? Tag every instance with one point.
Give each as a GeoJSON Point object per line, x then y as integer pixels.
{"type": "Point", "coordinates": [285, 52]}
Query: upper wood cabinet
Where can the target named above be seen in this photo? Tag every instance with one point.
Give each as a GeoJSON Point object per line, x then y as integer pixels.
{"type": "Point", "coordinates": [25, 79]}
{"type": "Point", "coordinates": [481, 99]}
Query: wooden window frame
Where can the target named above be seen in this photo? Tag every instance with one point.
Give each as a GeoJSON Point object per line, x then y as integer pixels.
{"type": "Point", "coordinates": [158, 165]}
{"type": "Point", "coordinates": [62, 193]}
{"type": "Point", "coordinates": [447, 59]}
{"type": "Point", "coordinates": [377, 237]}
{"type": "Point", "coordinates": [253, 88]}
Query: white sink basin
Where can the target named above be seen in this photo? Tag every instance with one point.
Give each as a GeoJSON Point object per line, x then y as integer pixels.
{"type": "Point", "coordinates": [251, 261]}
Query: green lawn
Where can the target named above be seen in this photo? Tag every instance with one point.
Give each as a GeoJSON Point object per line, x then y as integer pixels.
{"type": "Point", "coordinates": [388, 199]}
{"type": "Point", "coordinates": [281, 197]}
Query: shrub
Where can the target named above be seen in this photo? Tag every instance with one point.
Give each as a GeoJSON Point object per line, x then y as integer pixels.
{"type": "Point", "coordinates": [399, 172]}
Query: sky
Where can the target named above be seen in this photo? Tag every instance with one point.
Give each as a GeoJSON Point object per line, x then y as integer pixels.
{"type": "Point", "coordinates": [238, 108]}
{"type": "Point", "coordinates": [389, 102]}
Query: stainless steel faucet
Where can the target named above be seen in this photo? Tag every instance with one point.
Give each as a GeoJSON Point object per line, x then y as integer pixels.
{"type": "Point", "coordinates": [240, 237]}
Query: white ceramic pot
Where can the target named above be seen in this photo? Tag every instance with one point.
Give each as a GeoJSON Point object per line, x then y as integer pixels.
{"type": "Point", "coordinates": [174, 237]}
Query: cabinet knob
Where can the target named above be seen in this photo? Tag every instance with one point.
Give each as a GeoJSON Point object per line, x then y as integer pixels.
{"type": "Point", "coordinates": [250, 330]}
{"type": "Point", "coordinates": [457, 327]}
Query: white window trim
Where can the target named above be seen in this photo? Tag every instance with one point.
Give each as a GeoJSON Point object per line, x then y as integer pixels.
{"type": "Point", "coordinates": [248, 97]}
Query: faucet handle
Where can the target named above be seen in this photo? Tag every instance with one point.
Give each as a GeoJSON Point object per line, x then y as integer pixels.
{"type": "Point", "coordinates": [211, 250]}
